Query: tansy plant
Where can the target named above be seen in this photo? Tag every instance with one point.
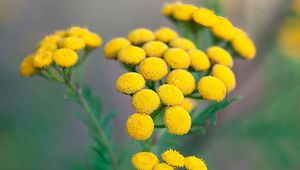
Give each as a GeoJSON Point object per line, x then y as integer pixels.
{"type": "Point", "coordinates": [168, 73]}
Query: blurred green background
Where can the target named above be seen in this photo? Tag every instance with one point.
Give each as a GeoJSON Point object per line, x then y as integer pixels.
{"type": "Point", "coordinates": [38, 128]}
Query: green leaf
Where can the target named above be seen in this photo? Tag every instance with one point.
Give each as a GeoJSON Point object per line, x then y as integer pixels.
{"type": "Point", "coordinates": [93, 101]}
{"type": "Point", "coordinates": [197, 131]}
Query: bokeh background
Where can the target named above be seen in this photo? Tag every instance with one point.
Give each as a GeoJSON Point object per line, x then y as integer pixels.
{"type": "Point", "coordinates": [38, 127]}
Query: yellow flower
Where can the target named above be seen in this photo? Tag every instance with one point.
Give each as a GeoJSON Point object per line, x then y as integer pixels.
{"type": "Point", "coordinates": [73, 43]}
{"type": "Point", "coordinates": [46, 46]}
{"type": "Point", "coordinates": [153, 68]}
{"type": "Point", "coordinates": [244, 46]}
{"type": "Point", "coordinates": [220, 56]}
{"type": "Point", "coordinates": [145, 101]}
{"type": "Point", "coordinates": [139, 126]}
{"type": "Point", "coordinates": [212, 88]}
{"type": "Point", "coordinates": [199, 60]}
{"type": "Point", "coordinates": [225, 75]}
{"type": "Point", "coordinates": [173, 158]}
{"type": "Point", "coordinates": [168, 9]}
{"type": "Point", "coordinates": [141, 35]}
{"type": "Point", "coordinates": [114, 46]}
{"type": "Point", "coordinates": [65, 57]}
{"type": "Point", "coordinates": [132, 55]}
{"type": "Point", "coordinates": [155, 48]}
{"type": "Point", "coordinates": [61, 33]}
{"type": "Point", "coordinates": [77, 31]}
{"type": "Point", "coordinates": [205, 17]}
{"type": "Point", "coordinates": [183, 80]}
{"type": "Point", "coordinates": [42, 59]}
{"type": "Point", "coordinates": [144, 161]}
{"type": "Point", "coordinates": [184, 12]}
{"type": "Point", "coordinates": [170, 95]}
{"type": "Point", "coordinates": [177, 120]}
{"type": "Point", "coordinates": [163, 166]}
{"type": "Point", "coordinates": [194, 163]}
{"type": "Point", "coordinates": [27, 68]}
{"type": "Point", "coordinates": [53, 39]}
{"type": "Point", "coordinates": [165, 34]}
{"type": "Point", "coordinates": [92, 39]}
{"type": "Point", "coordinates": [177, 58]}
{"type": "Point", "coordinates": [183, 43]}
{"type": "Point", "coordinates": [223, 29]}
{"type": "Point", "coordinates": [188, 104]}
{"type": "Point", "coordinates": [130, 83]}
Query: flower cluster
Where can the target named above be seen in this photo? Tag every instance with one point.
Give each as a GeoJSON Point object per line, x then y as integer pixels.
{"type": "Point", "coordinates": [60, 49]}
{"type": "Point", "coordinates": [171, 159]}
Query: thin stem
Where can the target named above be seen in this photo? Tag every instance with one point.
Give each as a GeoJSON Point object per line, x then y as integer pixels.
{"type": "Point", "coordinates": [160, 126]}
{"type": "Point", "coordinates": [157, 111]}
{"type": "Point", "coordinates": [195, 97]}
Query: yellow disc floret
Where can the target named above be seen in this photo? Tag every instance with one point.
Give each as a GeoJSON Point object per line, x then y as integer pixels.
{"type": "Point", "coordinates": [223, 29]}
{"type": "Point", "coordinates": [130, 83]}
{"type": "Point", "coordinates": [212, 88]}
{"type": "Point", "coordinates": [188, 104]}
{"type": "Point", "coordinates": [155, 48]}
{"type": "Point", "coordinates": [177, 58]}
{"type": "Point", "coordinates": [144, 160]}
{"type": "Point", "coordinates": [163, 166]}
{"type": "Point", "coordinates": [183, 43]}
{"type": "Point", "coordinates": [139, 126]}
{"type": "Point", "coordinates": [42, 59]}
{"type": "Point", "coordinates": [220, 56]}
{"type": "Point", "coordinates": [183, 80]}
{"type": "Point", "coordinates": [244, 46]}
{"type": "Point", "coordinates": [114, 46]}
{"type": "Point", "coordinates": [92, 40]}
{"type": "Point", "coordinates": [27, 68]}
{"type": "Point", "coordinates": [177, 120]}
{"type": "Point", "coordinates": [184, 12]}
{"type": "Point", "coordinates": [165, 34]}
{"type": "Point", "coordinates": [132, 55]}
{"type": "Point", "coordinates": [145, 101]}
{"type": "Point", "coordinates": [153, 68]}
{"type": "Point", "coordinates": [194, 163]}
{"type": "Point", "coordinates": [226, 75]}
{"type": "Point", "coordinates": [199, 60]}
{"type": "Point", "coordinates": [173, 158]}
{"type": "Point", "coordinates": [73, 43]}
{"type": "Point", "coordinates": [170, 95]}
{"type": "Point", "coordinates": [65, 57]}
{"type": "Point", "coordinates": [141, 35]}
{"type": "Point", "coordinates": [77, 31]}
{"type": "Point", "coordinates": [205, 17]}
{"type": "Point", "coordinates": [51, 47]}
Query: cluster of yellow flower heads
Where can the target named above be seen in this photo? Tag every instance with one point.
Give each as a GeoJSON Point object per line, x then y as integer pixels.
{"type": "Point", "coordinates": [59, 48]}
{"type": "Point", "coordinates": [171, 159]}
{"type": "Point", "coordinates": [220, 26]}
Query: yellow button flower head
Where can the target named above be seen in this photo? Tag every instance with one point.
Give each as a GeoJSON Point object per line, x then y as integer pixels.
{"type": "Point", "coordinates": [177, 120]}
{"type": "Point", "coordinates": [65, 57]}
{"type": "Point", "coordinates": [223, 29]}
{"type": "Point", "coordinates": [225, 75]}
{"type": "Point", "coordinates": [61, 33]}
{"type": "Point", "coordinates": [73, 43]}
{"type": "Point", "coordinates": [170, 95]}
{"type": "Point", "coordinates": [27, 68]}
{"type": "Point", "coordinates": [212, 88]}
{"type": "Point", "coordinates": [205, 17]}
{"type": "Point", "coordinates": [141, 35]}
{"type": "Point", "coordinates": [220, 56]}
{"type": "Point", "coordinates": [168, 9]}
{"type": "Point", "coordinates": [51, 47]}
{"type": "Point", "coordinates": [163, 166]}
{"type": "Point", "coordinates": [183, 80]}
{"type": "Point", "coordinates": [188, 104]}
{"type": "Point", "coordinates": [144, 161]}
{"type": "Point", "coordinates": [130, 83]}
{"type": "Point", "coordinates": [54, 39]}
{"type": "Point", "coordinates": [92, 39]}
{"type": "Point", "coordinates": [145, 101]}
{"type": "Point", "coordinates": [244, 46]}
{"type": "Point", "coordinates": [42, 59]}
{"type": "Point", "coordinates": [155, 48]}
{"type": "Point", "coordinates": [165, 34]}
{"type": "Point", "coordinates": [177, 58]}
{"type": "Point", "coordinates": [139, 126]}
{"type": "Point", "coordinates": [114, 46]}
{"type": "Point", "coordinates": [132, 55]}
{"type": "Point", "coordinates": [199, 60]}
{"type": "Point", "coordinates": [173, 158]}
{"type": "Point", "coordinates": [153, 68]}
{"type": "Point", "coordinates": [77, 31]}
{"type": "Point", "coordinates": [183, 43]}
{"type": "Point", "coordinates": [184, 12]}
{"type": "Point", "coordinates": [194, 163]}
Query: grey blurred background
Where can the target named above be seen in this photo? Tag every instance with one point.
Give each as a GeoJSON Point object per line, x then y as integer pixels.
{"type": "Point", "coordinates": [38, 129]}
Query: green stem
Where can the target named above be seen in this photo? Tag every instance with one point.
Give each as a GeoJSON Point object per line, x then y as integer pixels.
{"type": "Point", "coordinates": [160, 126]}
{"type": "Point", "coordinates": [157, 111]}
{"type": "Point", "coordinates": [195, 97]}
